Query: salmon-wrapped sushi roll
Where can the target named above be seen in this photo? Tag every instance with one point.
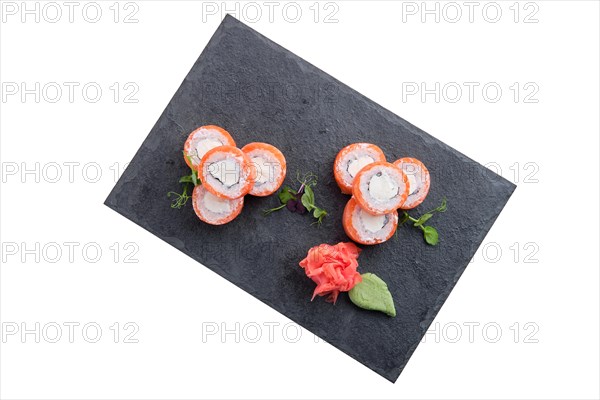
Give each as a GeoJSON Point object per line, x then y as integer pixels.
{"type": "Point", "coordinates": [270, 167]}
{"type": "Point", "coordinates": [226, 172]}
{"type": "Point", "coordinates": [215, 210]}
{"type": "Point", "coordinates": [203, 139]}
{"type": "Point", "coordinates": [418, 181]}
{"type": "Point", "coordinates": [351, 159]}
{"type": "Point", "coordinates": [380, 188]}
{"type": "Point", "coordinates": [365, 228]}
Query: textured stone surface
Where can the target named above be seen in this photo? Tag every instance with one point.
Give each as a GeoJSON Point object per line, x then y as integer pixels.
{"type": "Point", "coordinates": [259, 91]}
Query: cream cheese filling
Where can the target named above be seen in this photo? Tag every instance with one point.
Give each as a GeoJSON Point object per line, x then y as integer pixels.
{"type": "Point", "coordinates": [355, 165]}
{"type": "Point", "coordinates": [215, 204]}
{"type": "Point", "coordinates": [382, 187]}
{"type": "Point", "coordinates": [227, 171]}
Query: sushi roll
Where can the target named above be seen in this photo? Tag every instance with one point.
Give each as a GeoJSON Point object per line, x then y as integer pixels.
{"type": "Point", "coordinates": [351, 159]}
{"type": "Point", "coordinates": [215, 210]}
{"type": "Point", "coordinates": [418, 181]}
{"type": "Point", "coordinates": [365, 228]}
{"type": "Point", "coordinates": [380, 188]}
{"type": "Point", "coordinates": [202, 140]}
{"type": "Point", "coordinates": [226, 172]}
{"type": "Point", "coordinates": [270, 167]}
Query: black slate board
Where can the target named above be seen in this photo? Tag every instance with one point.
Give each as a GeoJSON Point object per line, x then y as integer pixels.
{"type": "Point", "coordinates": [259, 91]}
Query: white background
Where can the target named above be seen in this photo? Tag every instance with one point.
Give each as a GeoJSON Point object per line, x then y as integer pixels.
{"type": "Point", "coordinates": [541, 293]}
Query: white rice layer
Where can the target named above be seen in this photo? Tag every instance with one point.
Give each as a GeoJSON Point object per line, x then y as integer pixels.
{"type": "Point", "coordinates": [215, 204]}
{"type": "Point", "coordinates": [373, 228]}
{"type": "Point", "coordinates": [352, 162]}
{"type": "Point", "coordinates": [203, 141]}
{"type": "Point", "coordinates": [213, 208]}
{"type": "Point", "coordinates": [416, 180]}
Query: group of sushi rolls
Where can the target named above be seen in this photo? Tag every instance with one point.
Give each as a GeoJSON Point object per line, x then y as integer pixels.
{"type": "Point", "coordinates": [378, 190]}
{"type": "Point", "coordinates": [228, 173]}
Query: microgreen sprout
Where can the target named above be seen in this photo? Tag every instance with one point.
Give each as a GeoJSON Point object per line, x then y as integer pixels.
{"type": "Point", "coordinates": [180, 199]}
{"type": "Point", "coordinates": [302, 200]}
{"type": "Point", "coordinates": [430, 234]}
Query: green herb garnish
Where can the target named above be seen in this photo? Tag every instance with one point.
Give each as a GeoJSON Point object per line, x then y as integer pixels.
{"type": "Point", "coordinates": [308, 201]}
{"type": "Point", "coordinates": [430, 234]}
{"type": "Point", "coordinates": [302, 200]}
{"type": "Point", "coordinates": [180, 199]}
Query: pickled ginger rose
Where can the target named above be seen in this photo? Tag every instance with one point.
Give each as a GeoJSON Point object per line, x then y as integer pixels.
{"type": "Point", "coordinates": [332, 268]}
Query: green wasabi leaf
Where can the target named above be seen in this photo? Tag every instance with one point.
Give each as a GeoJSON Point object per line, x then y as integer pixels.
{"type": "Point", "coordinates": [373, 294]}
{"type": "Point", "coordinates": [423, 219]}
{"type": "Point", "coordinates": [430, 234]}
